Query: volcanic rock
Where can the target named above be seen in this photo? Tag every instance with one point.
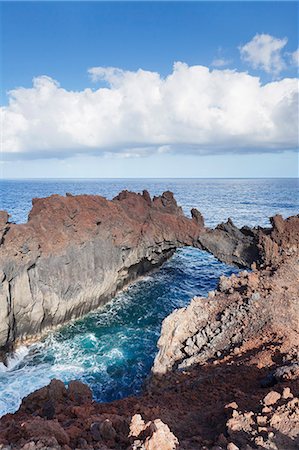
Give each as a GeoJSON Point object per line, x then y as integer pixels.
{"type": "Point", "coordinates": [271, 398]}
{"type": "Point", "coordinates": [211, 386]}
{"type": "Point", "coordinates": [154, 435]}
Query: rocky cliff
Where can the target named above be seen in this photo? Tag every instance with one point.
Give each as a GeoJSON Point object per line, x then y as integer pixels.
{"type": "Point", "coordinates": [226, 376]}
{"type": "Point", "coordinates": [76, 252]}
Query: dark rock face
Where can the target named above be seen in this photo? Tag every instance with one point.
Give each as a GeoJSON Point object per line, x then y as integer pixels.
{"type": "Point", "coordinates": [231, 244]}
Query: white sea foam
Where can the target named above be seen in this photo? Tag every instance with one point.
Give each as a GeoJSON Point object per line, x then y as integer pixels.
{"type": "Point", "coordinates": [14, 359]}
{"type": "Point", "coordinates": [19, 383]}
{"type": "Point", "coordinates": [115, 353]}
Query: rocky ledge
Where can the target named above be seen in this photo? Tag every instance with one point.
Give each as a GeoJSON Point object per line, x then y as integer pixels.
{"type": "Point", "coordinates": [227, 373]}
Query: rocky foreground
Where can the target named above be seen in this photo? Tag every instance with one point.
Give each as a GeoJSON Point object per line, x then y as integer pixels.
{"type": "Point", "coordinates": [226, 375]}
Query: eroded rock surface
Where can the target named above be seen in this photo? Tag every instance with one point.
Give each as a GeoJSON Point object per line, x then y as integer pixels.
{"type": "Point", "coordinates": [275, 425]}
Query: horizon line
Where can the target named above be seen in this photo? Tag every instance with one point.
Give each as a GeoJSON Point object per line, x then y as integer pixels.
{"type": "Point", "coordinates": [148, 178]}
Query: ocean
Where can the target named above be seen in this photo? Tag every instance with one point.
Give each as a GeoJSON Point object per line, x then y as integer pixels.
{"type": "Point", "coordinates": [113, 348]}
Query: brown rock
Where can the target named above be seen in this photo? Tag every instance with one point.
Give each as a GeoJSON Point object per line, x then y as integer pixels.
{"type": "Point", "coordinates": [95, 431]}
{"type": "Point", "coordinates": [261, 420]}
{"type": "Point", "coordinates": [100, 244]}
{"type": "Point", "coordinates": [46, 398]}
{"type": "Point", "coordinates": [79, 393]}
{"type": "Point", "coordinates": [197, 217]}
{"type": "Point", "coordinates": [45, 428]}
{"type": "Point", "coordinates": [190, 401]}
{"type": "Point", "coordinates": [107, 430]}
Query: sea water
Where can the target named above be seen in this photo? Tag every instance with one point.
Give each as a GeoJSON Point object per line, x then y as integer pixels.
{"type": "Point", "coordinates": [113, 348]}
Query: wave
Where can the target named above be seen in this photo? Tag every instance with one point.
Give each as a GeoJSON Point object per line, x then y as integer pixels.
{"type": "Point", "coordinates": [14, 359]}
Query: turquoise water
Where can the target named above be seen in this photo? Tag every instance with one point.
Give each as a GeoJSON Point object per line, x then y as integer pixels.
{"type": "Point", "coordinates": [113, 349]}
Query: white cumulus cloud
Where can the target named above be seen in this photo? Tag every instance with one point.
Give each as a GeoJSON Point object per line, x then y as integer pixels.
{"type": "Point", "coordinates": [193, 110]}
{"type": "Point", "coordinates": [265, 52]}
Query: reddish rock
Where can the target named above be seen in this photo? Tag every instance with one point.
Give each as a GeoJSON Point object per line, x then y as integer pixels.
{"type": "Point", "coordinates": [44, 428]}
{"type": "Point", "coordinates": [232, 348]}
{"type": "Point", "coordinates": [107, 431]}
{"type": "Point", "coordinates": [76, 252]}
{"type": "Point", "coordinates": [79, 393]}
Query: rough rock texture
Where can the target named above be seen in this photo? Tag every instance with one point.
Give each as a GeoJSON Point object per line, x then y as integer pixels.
{"type": "Point", "coordinates": [274, 426]}
{"type": "Point", "coordinates": [76, 252]}
{"type": "Point", "coordinates": [211, 406]}
{"type": "Point", "coordinates": [237, 386]}
{"type": "Point", "coordinates": [154, 435]}
{"type": "Point", "coordinates": [233, 245]}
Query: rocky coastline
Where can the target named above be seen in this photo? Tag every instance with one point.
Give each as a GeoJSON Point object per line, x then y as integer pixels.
{"type": "Point", "coordinates": [226, 376]}
{"type": "Point", "coordinates": [76, 252]}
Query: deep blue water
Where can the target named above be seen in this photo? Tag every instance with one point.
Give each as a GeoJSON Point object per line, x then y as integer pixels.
{"type": "Point", "coordinates": [113, 348]}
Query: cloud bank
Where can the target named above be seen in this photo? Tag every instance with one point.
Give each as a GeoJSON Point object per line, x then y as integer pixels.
{"type": "Point", "coordinates": [193, 110]}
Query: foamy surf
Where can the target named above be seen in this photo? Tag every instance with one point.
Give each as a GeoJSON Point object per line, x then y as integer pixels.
{"type": "Point", "coordinates": [14, 359]}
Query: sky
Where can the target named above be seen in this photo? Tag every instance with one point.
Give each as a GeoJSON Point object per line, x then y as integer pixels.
{"type": "Point", "coordinates": [149, 89]}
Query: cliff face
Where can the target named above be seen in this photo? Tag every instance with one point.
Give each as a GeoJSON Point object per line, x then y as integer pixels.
{"type": "Point", "coordinates": [76, 252]}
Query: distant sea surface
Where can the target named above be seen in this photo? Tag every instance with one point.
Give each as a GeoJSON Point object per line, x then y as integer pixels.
{"type": "Point", "coordinates": [113, 348]}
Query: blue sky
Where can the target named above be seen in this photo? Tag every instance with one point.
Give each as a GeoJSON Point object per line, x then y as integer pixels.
{"type": "Point", "coordinates": [62, 40]}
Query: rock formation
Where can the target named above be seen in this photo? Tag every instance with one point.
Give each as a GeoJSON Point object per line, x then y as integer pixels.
{"type": "Point", "coordinates": [242, 307]}
{"type": "Point", "coordinates": [76, 252]}
{"type": "Point", "coordinates": [226, 376]}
